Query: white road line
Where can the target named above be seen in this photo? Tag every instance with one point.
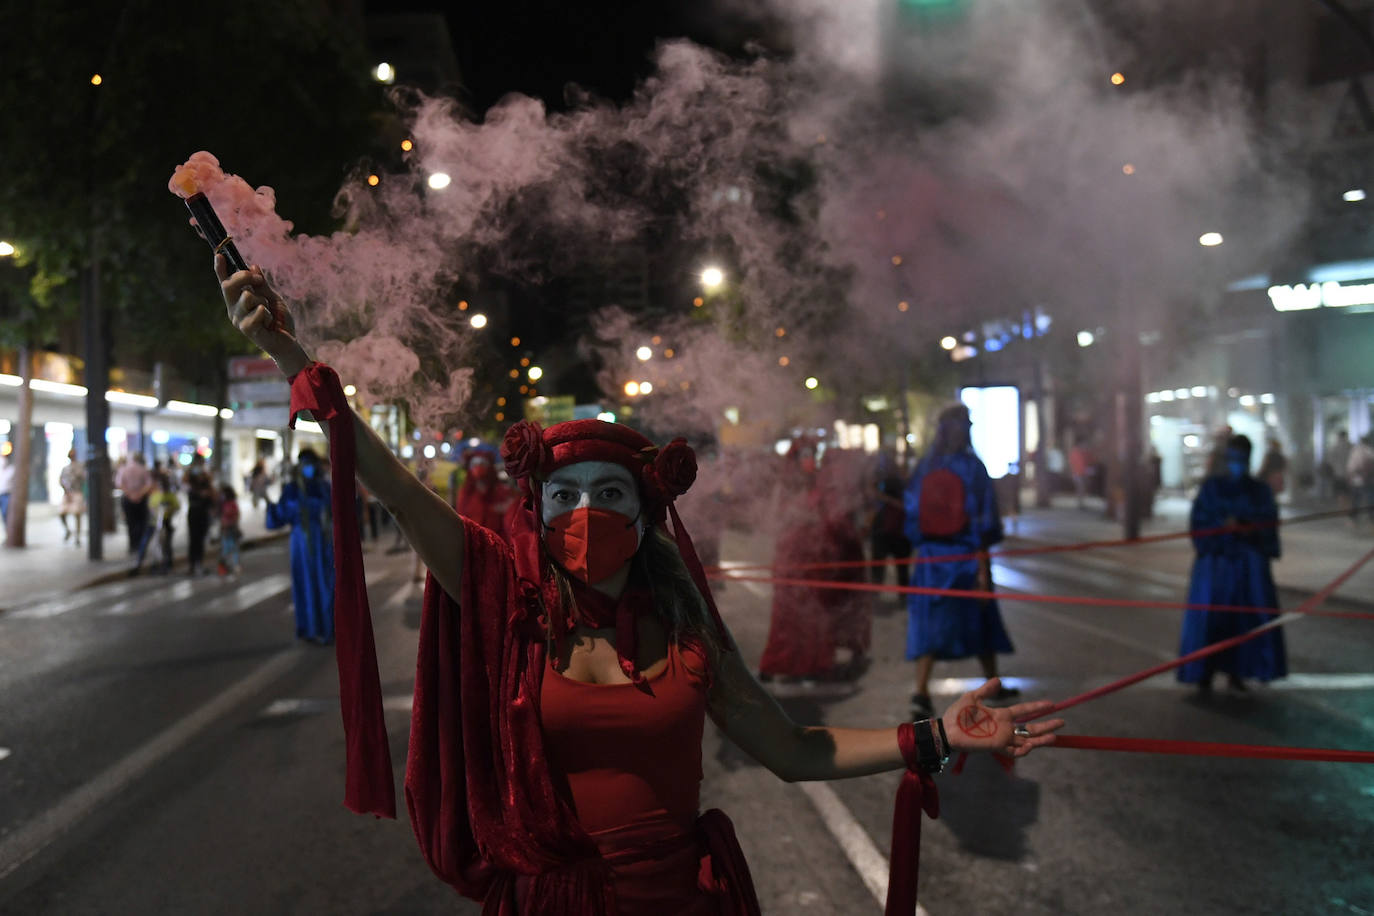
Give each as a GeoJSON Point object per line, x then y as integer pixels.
{"type": "Point", "coordinates": [399, 596]}
{"type": "Point", "coordinates": [39, 833]}
{"type": "Point", "coordinates": [4, 752]}
{"type": "Point", "coordinates": [246, 596]}
{"type": "Point", "coordinates": [858, 848]}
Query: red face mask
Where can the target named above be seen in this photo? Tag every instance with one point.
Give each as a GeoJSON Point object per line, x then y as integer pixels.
{"type": "Point", "coordinates": [479, 471]}
{"type": "Point", "coordinates": [592, 544]}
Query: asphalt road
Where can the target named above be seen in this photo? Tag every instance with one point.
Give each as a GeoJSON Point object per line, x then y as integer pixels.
{"type": "Point", "coordinates": [166, 747]}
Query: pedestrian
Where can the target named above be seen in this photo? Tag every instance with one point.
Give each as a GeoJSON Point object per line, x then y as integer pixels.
{"type": "Point", "coordinates": [564, 675]}
{"type": "Point", "coordinates": [1231, 567]}
{"type": "Point", "coordinates": [807, 624]}
{"type": "Point", "coordinates": [163, 504]}
{"type": "Point", "coordinates": [1359, 471]}
{"type": "Point", "coordinates": [305, 506]}
{"type": "Point", "coordinates": [1080, 465]}
{"type": "Point", "coordinates": [230, 534]}
{"type": "Point", "coordinates": [73, 483]}
{"type": "Point", "coordinates": [1273, 468]}
{"type": "Point", "coordinates": [1337, 458]}
{"type": "Point", "coordinates": [258, 480]}
{"type": "Point", "coordinates": [200, 502]}
{"type": "Point", "coordinates": [887, 533]}
{"type": "Point", "coordinates": [951, 511]}
{"type": "Point", "coordinates": [6, 485]}
{"type": "Point", "coordinates": [135, 483]}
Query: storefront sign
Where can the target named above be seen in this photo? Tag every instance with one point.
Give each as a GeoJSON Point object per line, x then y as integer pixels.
{"type": "Point", "coordinates": [1330, 295]}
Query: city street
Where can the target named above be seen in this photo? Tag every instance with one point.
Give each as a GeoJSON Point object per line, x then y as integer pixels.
{"type": "Point", "coordinates": [166, 747]}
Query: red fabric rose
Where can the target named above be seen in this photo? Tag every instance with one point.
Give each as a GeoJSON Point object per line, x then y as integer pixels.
{"type": "Point", "coordinates": [523, 450]}
{"type": "Point", "coordinates": [675, 468]}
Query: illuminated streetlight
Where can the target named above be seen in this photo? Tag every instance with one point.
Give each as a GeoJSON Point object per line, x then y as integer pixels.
{"type": "Point", "coordinates": [478, 320]}
{"type": "Point", "coordinates": [407, 145]}
{"type": "Point", "coordinates": [712, 277]}
{"type": "Point", "coordinates": [1209, 239]}
{"type": "Point", "coordinates": [645, 387]}
{"type": "Point", "coordinates": [535, 373]}
{"type": "Point", "coordinates": [384, 73]}
{"type": "Point", "coordinates": [632, 388]}
{"type": "Point", "coordinates": [439, 180]}
{"type": "Point", "coordinates": [644, 354]}
{"type": "Point", "coordinates": [6, 249]}
{"type": "Point", "coordinates": [373, 180]}
{"type": "Point", "coordinates": [948, 343]}
{"type": "Point", "coordinates": [1353, 196]}
{"type": "Point", "coordinates": [349, 391]}
{"type": "Point", "coordinates": [1086, 338]}
{"type": "Point", "coordinates": [812, 383]}
{"type": "Point", "coordinates": [1118, 79]}
{"type": "Point", "coordinates": [96, 80]}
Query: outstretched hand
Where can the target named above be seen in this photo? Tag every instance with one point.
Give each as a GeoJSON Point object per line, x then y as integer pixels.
{"type": "Point", "coordinates": [260, 313]}
{"type": "Point", "coordinates": [972, 726]}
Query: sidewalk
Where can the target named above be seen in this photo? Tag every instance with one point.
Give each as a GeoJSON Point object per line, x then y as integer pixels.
{"type": "Point", "coordinates": [1314, 552]}
{"type": "Point", "coordinates": [48, 565]}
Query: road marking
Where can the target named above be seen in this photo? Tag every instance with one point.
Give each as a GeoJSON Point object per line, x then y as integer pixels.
{"type": "Point", "coordinates": [36, 835]}
{"type": "Point", "coordinates": [4, 752]}
{"type": "Point", "coordinates": [246, 596]}
{"type": "Point", "coordinates": [853, 840]}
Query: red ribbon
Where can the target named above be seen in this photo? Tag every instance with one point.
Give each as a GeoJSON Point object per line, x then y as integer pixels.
{"type": "Point", "coordinates": [916, 793]}
{"type": "Point", "coordinates": [1211, 749]}
{"type": "Point", "coordinates": [369, 786]}
{"type": "Point", "coordinates": [1308, 608]}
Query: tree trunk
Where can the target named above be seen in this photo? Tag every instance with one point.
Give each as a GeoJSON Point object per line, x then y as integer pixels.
{"type": "Point", "coordinates": [23, 445]}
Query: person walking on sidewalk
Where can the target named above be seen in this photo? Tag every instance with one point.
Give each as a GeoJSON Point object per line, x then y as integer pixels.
{"type": "Point", "coordinates": [1274, 468]}
{"type": "Point", "coordinates": [1359, 471]}
{"type": "Point", "coordinates": [164, 504]}
{"type": "Point", "coordinates": [6, 486]}
{"type": "Point", "coordinates": [1232, 567]}
{"type": "Point", "coordinates": [135, 483]}
{"type": "Point", "coordinates": [200, 500]}
{"type": "Point", "coordinates": [951, 511]}
{"type": "Point", "coordinates": [230, 534]}
{"type": "Point", "coordinates": [73, 482]}
{"type": "Point", "coordinates": [887, 533]}
{"type": "Point", "coordinates": [304, 505]}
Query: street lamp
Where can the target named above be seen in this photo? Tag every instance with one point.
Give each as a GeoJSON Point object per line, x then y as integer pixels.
{"type": "Point", "coordinates": [439, 180]}
{"type": "Point", "coordinates": [644, 354]}
{"type": "Point", "coordinates": [948, 343]}
{"type": "Point", "coordinates": [812, 382]}
{"type": "Point", "coordinates": [1209, 239]}
{"type": "Point", "coordinates": [535, 373]}
{"type": "Point", "coordinates": [478, 321]}
{"type": "Point", "coordinates": [384, 73]}
{"type": "Point", "coordinates": [632, 388]}
{"type": "Point", "coordinates": [712, 278]}
{"type": "Point", "coordinates": [6, 249]}
{"type": "Point", "coordinates": [646, 387]}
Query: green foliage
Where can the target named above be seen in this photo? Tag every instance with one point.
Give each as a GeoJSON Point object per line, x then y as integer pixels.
{"type": "Point", "coordinates": [279, 91]}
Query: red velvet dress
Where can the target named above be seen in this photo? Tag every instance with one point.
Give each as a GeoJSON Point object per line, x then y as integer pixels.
{"type": "Point", "coordinates": [807, 624]}
{"type": "Point", "coordinates": [629, 757]}
{"type": "Point", "coordinates": [485, 507]}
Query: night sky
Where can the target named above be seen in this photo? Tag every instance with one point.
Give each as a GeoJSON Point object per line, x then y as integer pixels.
{"type": "Point", "coordinates": [538, 47]}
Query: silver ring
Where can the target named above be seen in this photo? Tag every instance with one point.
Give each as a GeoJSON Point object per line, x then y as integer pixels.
{"type": "Point", "coordinates": [1021, 731]}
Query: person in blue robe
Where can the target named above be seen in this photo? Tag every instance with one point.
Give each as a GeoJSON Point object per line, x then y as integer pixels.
{"type": "Point", "coordinates": [304, 505]}
{"type": "Point", "coordinates": [940, 524]}
{"type": "Point", "coordinates": [1233, 568]}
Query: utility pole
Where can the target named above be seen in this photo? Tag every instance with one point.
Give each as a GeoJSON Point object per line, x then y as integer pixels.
{"type": "Point", "coordinates": [97, 377]}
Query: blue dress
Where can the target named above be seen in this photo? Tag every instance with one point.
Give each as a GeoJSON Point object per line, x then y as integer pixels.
{"type": "Point", "coordinates": [1233, 569]}
{"type": "Point", "coordinates": [946, 627]}
{"type": "Point", "coordinates": [312, 556]}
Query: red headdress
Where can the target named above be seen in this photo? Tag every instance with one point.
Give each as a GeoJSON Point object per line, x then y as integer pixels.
{"type": "Point", "coordinates": [663, 474]}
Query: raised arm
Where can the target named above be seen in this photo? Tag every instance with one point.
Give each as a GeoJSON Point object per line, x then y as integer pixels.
{"type": "Point", "coordinates": [431, 526]}
{"type": "Point", "coordinates": [752, 718]}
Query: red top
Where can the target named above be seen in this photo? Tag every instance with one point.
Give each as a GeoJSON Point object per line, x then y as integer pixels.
{"type": "Point", "coordinates": [629, 756]}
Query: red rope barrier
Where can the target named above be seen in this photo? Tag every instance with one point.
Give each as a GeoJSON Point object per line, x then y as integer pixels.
{"type": "Point", "coordinates": [1051, 548]}
{"type": "Point", "coordinates": [1211, 749]}
{"type": "Point", "coordinates": [1305, 608]}
{"type": "Point", "coordinates": [1041, 599]}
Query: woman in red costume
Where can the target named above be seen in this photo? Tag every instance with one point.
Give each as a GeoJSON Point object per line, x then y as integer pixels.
{"type": "Point", "coordinates": [482, 497]}
{"type": "Point", "coordinates": [565, 674]}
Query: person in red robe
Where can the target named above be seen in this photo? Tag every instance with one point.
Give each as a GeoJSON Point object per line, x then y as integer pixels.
{"type": "Point", "coordinates": [564, 674]}
{"type": "Point", "coordinates": [483, 497]}
{"type": "Point", "coordinates": [807, 623]}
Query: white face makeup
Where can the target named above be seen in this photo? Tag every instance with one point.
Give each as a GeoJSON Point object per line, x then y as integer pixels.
{"type": "Point", "coordinates": [595, 484]}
